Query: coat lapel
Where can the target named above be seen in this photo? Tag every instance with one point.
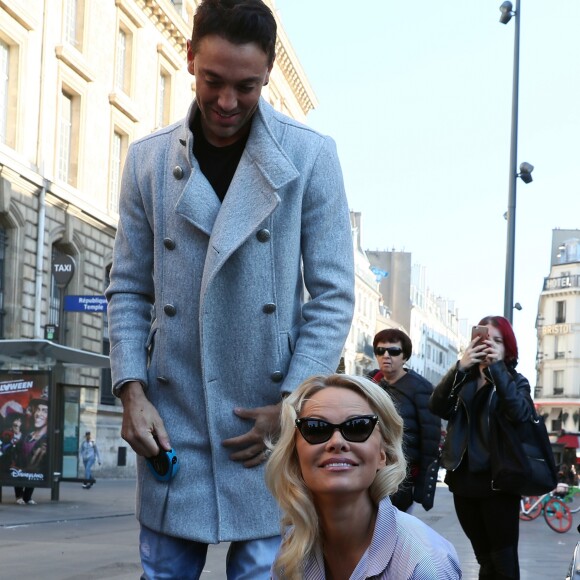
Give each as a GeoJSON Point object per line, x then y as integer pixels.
{"type": "Point", "coordinates": [198, 202]}
{"type": "Point", "coordinates": [252, 196]}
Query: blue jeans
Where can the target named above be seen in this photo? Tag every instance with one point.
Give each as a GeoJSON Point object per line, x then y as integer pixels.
{"type": "Point", "coordinates": [168, 558]}
{"type": "Point", "coordinates": [88, 466]}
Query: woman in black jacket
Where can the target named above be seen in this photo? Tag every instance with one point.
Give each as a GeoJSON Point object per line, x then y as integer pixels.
{"type": "Point", "coordinates": [410, 392]}
{"type": "Point", "coordinates": [483, 382]}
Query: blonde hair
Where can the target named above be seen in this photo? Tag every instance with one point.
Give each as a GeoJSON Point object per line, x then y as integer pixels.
{"type": "Point", "coordinates": [300, 525]}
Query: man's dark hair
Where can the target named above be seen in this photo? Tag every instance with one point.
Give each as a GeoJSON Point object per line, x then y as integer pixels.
{"type": "Point", "coordinates": [238, 21]}
{"type": "Point", "coordinates": [395, 335]}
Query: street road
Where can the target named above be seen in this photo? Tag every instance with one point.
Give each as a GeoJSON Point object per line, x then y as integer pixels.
{"type": "Point", "coordinates": [93, 535]}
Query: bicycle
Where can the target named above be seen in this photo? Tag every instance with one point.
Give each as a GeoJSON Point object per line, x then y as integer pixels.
{"type": "Point", "coordinates": [556, 513]}
{"type": "Point", "coordinates": [531, 506]}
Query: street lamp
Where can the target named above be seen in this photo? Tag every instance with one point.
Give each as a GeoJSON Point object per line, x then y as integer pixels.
{"type": "Point", "coordinates": [526, 169]}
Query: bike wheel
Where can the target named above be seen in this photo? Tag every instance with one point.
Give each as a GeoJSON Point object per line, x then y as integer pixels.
{"type": "Point", "coordinates": [557, 515]}
{"type": "Point", "coordinates": [527, 513]}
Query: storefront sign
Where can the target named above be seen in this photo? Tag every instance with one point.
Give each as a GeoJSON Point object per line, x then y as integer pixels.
{"type": "Point", "coordinates": [556, 329]}
{"type": "Point", "coordinates": [85, 303]}
{"type": "Point", "coordinates": [24, 433]}
{"type": "Point", "coordinates": [561, 282]}
{"type": "Point", "coordinates": [63, 269]}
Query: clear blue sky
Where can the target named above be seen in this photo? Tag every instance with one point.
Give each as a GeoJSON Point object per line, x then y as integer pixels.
{"type": "Point", "coordinates": [418, 98]}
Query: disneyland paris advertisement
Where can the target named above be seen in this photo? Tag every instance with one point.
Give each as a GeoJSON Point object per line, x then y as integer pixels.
{"type": "Point", "coordinates": [24, 441]}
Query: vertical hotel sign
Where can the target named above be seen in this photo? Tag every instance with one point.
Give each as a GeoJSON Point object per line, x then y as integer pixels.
{"type": "Point", "coordinates": [24, 429]}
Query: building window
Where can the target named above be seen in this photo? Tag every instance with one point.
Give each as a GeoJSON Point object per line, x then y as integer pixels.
{"type": "Point", "coordinates": [121, 59]}
{"type": "Point", "coordinates": [68, 137]}
{"type": "Point", "coordinates": [65, 137]}
{"type": "Point", "coordinates": [107, 397]}
{"type": "Point", "coordinates": [119, 146]}
{"type": "Point", "coordinates": [163, 98]}
{"type": "Point", "coordinates": [4, 77]}
{"type": "Point", "coordinates": [54, 298]}
{"type": "Point", "coordinates": [558, 382]}
{"type": "Point", "coordinates": [3, 240]}
{"type": "Point", "coordinates": [73, 22]}
{"type": "Point", "coordinates": [560, 311]}
{"type": "Point", "coordinates": [559, 346]}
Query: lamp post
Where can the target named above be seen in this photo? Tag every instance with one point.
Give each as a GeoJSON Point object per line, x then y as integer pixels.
{"type": "Point", "coordinates": [526, 169]}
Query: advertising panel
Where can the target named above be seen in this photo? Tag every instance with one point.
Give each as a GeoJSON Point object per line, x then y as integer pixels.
{"type": "Point", "coordinates": [24, 429]}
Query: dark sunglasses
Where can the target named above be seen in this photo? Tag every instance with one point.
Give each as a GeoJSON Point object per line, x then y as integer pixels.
{"type": "Point", "coordinates": [355, 430]}
{"type": "Point", "coordinates": [392, 350]}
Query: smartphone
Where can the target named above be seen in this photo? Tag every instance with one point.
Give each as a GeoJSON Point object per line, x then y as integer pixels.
{"type": "Point", "coordinates": [481, 331]}
{"type": "Point", "coordinates": [163, 466]}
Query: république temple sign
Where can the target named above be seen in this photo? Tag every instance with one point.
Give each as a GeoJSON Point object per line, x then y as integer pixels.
{"type": "Point", "coordinates": [85, 303]}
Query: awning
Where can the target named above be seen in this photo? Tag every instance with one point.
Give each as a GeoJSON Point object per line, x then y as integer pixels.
{"type": "Point", "coordinates": [46, 353]}
{"type": "Point", "coordinates": [570, 440]}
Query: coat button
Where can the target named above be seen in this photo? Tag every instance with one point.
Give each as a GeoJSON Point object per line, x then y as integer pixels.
{"type": "Point", "coordinates": [263, 235]}
{"type": "Point", "coordinates": [170, 310]}
{"type": "Point", "coordinates": [277, 376]}
{"type": "Point", "coordinates": [163, 380]}
{"type": "Point", "coordinates": [177, 172]}
{"type": "Point", "coordinates": [182, 141]}
{"type": "Point", "coordinates": [269, 308]}
{"type": "Point", "coordinates": [169, 243]}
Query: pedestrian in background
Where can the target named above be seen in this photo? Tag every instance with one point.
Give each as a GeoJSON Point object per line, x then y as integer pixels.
{"type": "Point", "coordinates": [227, 220]}
{"type": "Point", "coordinates": [24, 495]}
{"type": "Point", "coordinates": [483, 382]}
{"type": "Point", "coordinates": [89, 454]}
{"type": "Point", "coordinates": [338, 459]}
{"type": "Point", "coordinates": [410, 393]}
{"type": "Point", "coordinates": [11, 439]}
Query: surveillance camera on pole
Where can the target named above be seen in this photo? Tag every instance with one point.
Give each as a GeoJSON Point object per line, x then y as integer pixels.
{"type": "Point", "coordinates": [526, 172]}
{"type": "Point", "coordinates": [507, 12]}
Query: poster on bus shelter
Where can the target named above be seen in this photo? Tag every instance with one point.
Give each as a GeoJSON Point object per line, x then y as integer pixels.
{"type": "Point", "coordinates": [24, 441]}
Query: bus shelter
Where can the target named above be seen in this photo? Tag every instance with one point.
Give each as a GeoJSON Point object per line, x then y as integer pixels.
{"type": "Point", "coordinates": [41, 414]}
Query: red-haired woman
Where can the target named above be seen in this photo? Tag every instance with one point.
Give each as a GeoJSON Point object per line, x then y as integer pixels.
{"type": "Point", "coordinates": [483, 382]}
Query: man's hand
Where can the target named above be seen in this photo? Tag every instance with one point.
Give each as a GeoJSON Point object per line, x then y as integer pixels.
{"type": "Point", "coordinates": [142, 425]}
{"type": "Point", "coordinates": [251, 447]}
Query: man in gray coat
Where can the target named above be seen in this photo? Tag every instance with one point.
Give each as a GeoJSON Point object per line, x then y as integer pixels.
{"type": "Point", "coordinates": [225, 219]}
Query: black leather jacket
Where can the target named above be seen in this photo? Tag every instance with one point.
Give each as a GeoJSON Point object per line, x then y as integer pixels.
{"type": "Point", "coordinates": [452, 400]}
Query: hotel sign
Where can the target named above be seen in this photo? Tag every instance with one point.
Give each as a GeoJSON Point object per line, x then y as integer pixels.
{"type": "Point", "coordinates": [556, 329]}
{"type": "Point", "coordinates": [561, 282]}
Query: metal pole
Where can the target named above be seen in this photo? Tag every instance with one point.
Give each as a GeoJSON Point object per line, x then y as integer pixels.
{"type": "Point", "coordinates": [508, 307]}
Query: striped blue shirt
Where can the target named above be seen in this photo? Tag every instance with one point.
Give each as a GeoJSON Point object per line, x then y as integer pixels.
{"type": "Point", "coordinates": [402, 548]}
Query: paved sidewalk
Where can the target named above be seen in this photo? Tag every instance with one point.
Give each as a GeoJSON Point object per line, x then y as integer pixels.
{"type": "Point", "coordinates": [108, 497]}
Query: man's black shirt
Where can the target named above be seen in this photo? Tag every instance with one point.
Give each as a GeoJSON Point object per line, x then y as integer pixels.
{"type": "Point", "coordinates": [218, 164]}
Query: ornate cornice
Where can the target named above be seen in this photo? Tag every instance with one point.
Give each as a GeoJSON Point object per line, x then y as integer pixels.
{"type": "Point", "coordinates": [176, 30]}
{"type": "Point", "coordinates": [169, 22]}
{"type": "Point", "coordinates": [295, 79]}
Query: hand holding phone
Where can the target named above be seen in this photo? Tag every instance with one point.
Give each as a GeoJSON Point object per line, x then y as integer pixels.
{"type": "Point", "coordinates": [481, 331]}
{"type": "Point", "coordinates": [164, 466]}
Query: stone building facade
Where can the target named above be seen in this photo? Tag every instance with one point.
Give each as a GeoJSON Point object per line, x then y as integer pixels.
{"type": "Point", "coordinates": [557, 392]}
{"type": "Point", "coordinates": [79, 81]}
{"type": "Point", "coordinates": [432, 322]}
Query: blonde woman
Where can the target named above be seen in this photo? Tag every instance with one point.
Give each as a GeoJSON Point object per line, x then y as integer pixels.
{"type": "Point", "coordinates": [338, 458]}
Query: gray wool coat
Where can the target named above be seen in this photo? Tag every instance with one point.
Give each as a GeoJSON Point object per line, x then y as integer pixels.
{"type": "Point", "coordinates": [206, 307]}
